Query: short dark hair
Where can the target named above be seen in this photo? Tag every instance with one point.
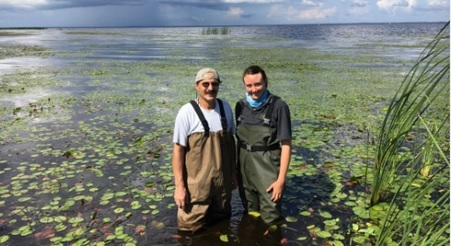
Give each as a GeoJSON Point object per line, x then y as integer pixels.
{"type": "Point", "coordinates": [255, 70]}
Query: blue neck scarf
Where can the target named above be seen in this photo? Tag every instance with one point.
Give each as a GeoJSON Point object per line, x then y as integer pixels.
{"type": "Point", "coordinates": [257, 103]}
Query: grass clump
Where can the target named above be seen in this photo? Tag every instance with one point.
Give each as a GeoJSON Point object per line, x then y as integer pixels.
{"type": "Point", "coordinates": [216, 31]}
{"type": "Point", "coordinates": [411, 171]}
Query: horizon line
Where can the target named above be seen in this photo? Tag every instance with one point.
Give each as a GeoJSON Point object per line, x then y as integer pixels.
{"type": "Point", "coordinates": [235, 25]}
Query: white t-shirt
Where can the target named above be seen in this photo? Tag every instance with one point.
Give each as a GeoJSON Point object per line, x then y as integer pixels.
{"type": "Point", "coordinates": [187, 121]}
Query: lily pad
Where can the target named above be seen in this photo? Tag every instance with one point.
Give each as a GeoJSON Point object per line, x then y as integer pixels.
{"type": "Point", "coordinates": [291, 219]}
{"type": "Point", "coordinates": [224, 238]}
{"type": "Point", "coordinates": [359, 239]}
{"type": "Point", "coordinates": [305, 213]}
{"type": "Point", "coordinates": [254, 214]}
{"type": "Point", "coordinates": [4, 238]}
{"type": "Point", "coordinates": [324, 234]}
{"type": "Point", "coordinates": [325, 214]}
{"type": "Point", "coordinates": [76, 220]}
{"type": "Point", "coordinates": [46, 220]}
{"type": "Point", "coordinates": [60, 227]}
{"type": "Point", "coordinates": [135, 205]}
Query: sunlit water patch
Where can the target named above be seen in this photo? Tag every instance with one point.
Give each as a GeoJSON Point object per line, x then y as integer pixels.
{"type": "Point", "coordinates": [26, 99]}
{"type": "Point", "coordinates": [9, 65]}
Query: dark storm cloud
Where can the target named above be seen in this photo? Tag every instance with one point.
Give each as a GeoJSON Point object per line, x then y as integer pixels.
{"type": "Point", "coordinates": [213, 5]}
{"type": "Point", "coordinates": [65, 4]}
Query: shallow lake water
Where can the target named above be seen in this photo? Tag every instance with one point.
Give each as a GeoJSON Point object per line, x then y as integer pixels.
{"type": "Point", "coordinates": [85, 155]}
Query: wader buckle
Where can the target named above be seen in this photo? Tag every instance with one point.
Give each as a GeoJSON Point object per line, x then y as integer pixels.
{"type": "Point", "coordinates": [249, 147]}
{"type": "Point", "coordinates": [253, 148]}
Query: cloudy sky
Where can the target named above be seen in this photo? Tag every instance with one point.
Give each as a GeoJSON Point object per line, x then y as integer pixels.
{"type": "Point", "coordinates": [107, 13]}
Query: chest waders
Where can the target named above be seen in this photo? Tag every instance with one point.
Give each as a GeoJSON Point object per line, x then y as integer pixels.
{"type": "Point", "coordinates": [259, 163]}
{"type": "Point", "coordinates": [208, 175]}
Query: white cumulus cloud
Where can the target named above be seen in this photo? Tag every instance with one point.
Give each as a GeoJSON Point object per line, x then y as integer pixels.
{"type": "Point", "coordinates": [438, 3]}
{"type": "Point", "coordinates": [23, 3]}
{"type": "Point", "coordinates": [255, 1]}
{"type": "Point", "coordinates": [235, 11]}
{"type": "Point", "coordinates": [291, 13]}
{"type": "Point", "coordinates": [391, 5]}
{"type": "Point", "coordinates": [278, 11]}
{"type": "Point", "coordinates": [317, 13]}
{"type": "Point", "coordinates": [310, 3]}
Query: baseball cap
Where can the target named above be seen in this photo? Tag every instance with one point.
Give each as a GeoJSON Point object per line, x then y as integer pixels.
{"type": "Point", "coordinates": [201, 75]}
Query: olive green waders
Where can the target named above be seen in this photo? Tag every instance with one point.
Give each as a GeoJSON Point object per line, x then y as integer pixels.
{"type": "Point", "coordinates": [259, 161]}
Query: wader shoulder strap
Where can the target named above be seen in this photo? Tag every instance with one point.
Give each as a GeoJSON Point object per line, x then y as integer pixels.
{"type": "Point", "coordinates": [204, 121]}
{"type": "Point", "coordinates": [269, 110]}
{"type": "Point", "coordinates": [201, 117]}
{"type": "Point", "coordinates": [223, 117]}
{"type": "Point", "coordinates": [239, 111]}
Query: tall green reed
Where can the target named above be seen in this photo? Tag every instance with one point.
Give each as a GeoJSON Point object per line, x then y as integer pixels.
{"type": "Point", "coordinates": [411, 170]}
{"type": "Point", "coordinates": [216, 30]}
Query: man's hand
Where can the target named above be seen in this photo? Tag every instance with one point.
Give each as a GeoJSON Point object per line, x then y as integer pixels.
{"type": "Point", "coordinates": [180, 197]}
{"type": "Point", "coordinates": [178, 164]}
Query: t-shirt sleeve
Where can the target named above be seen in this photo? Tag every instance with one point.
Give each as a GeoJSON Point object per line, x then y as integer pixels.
{"type": "Point", "coordinates": [283, 121]}
{"type": "Point", "coordinates": [181, 127]}
{"type": "Point", "coordinates": [230, 118]}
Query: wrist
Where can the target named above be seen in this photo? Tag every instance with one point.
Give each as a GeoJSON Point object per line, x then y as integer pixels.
{"type": "Point", "coordinates": [281, 180]}
{"type": "Point", "coordinates": [179, 185]}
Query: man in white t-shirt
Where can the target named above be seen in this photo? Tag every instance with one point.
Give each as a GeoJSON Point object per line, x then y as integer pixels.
{"type": "Point", "coordinates": [204, 156]}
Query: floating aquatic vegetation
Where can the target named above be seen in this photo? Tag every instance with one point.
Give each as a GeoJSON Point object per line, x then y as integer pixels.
{"type": "Point", "coordinates": [23, 50]}
{"type": "Point", "coordinates": [93, 153]}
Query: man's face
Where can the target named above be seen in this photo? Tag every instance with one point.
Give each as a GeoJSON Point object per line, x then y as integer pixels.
{"type": "Point", "coordinates": [208, 88]}
{"type": "Point", "coordinates": [254, 85]}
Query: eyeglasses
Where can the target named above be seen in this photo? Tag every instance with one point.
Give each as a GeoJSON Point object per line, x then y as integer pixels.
{"type": "Point", "coordinates": [207, 84]}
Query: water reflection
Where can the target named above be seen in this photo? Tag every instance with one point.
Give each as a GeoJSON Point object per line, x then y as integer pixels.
{"type": "Point", "coordinates": [22, 100]}
{"type": "Point", "coordinates": [9, 65]}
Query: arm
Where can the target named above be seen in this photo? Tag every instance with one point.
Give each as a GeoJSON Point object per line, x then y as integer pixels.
{"type": "Point", "coordinates": [178, 164]}
{"type": "Point", "coordinates": [234, 165]}
{"type": "Point", "coordinates": [277, 186]}
{"type": "Point", "coordinates": [235, 157]}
